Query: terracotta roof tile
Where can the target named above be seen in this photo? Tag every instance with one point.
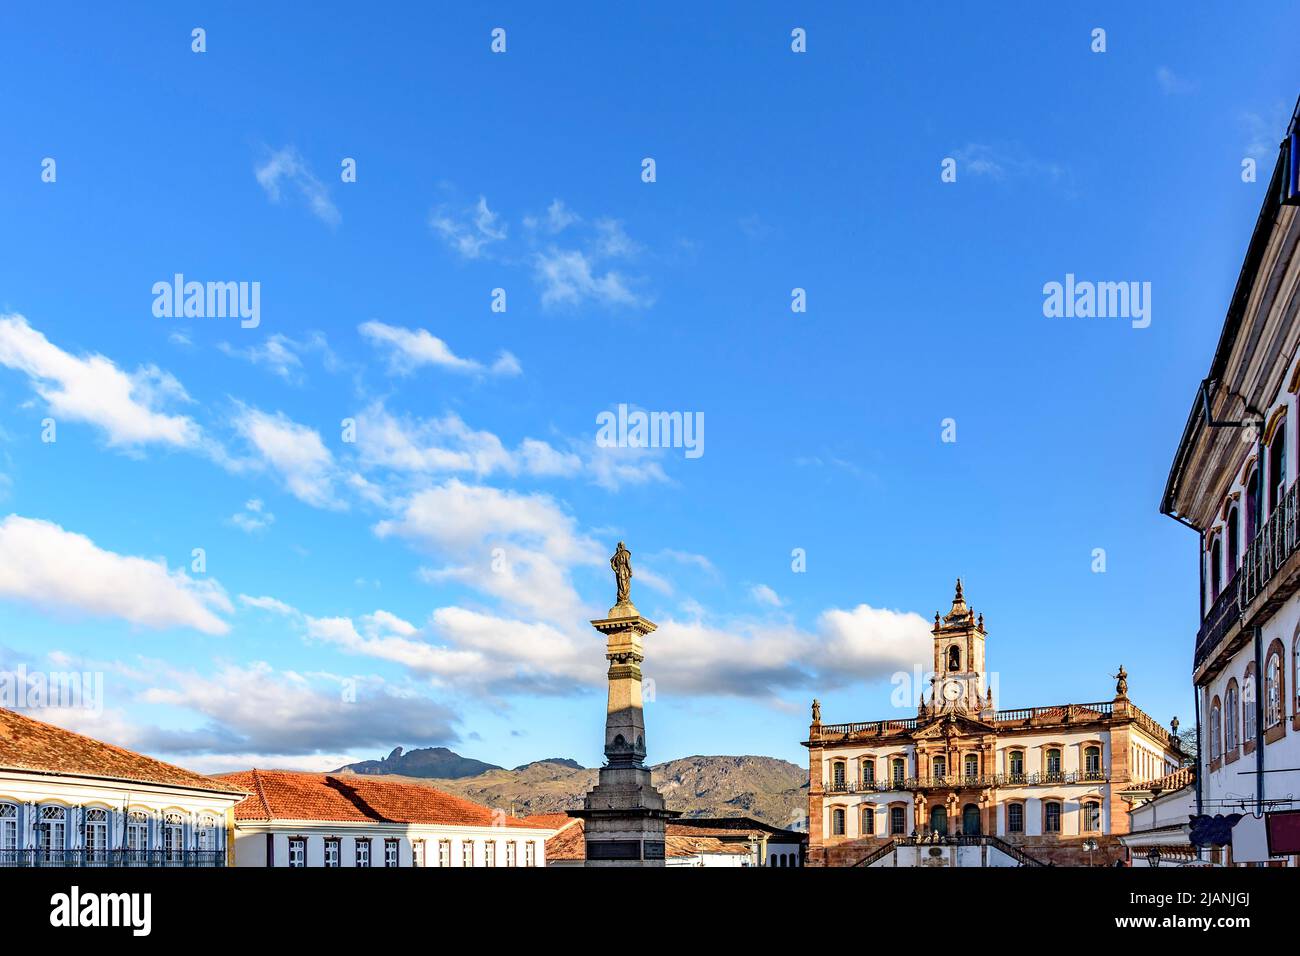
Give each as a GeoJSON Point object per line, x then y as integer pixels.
{"type": "Point", "coordinates": [570, 844]}
{"type": "Point", "coordinates": [28, 744]}
{"type": "Point", "coordinates": [288, 795]}
{"type": "Point", "coordinates": [1170, 782]}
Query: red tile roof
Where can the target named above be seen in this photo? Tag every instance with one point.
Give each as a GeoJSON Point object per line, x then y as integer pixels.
{"type": "Point", "coordinates": [569, 844]}
{"type": "Point", "coordinates": [27, 744]}
{"type": "Point", "coordinates": [1182, 777]}
{"type": "Point", "coordinates": [288, 795]}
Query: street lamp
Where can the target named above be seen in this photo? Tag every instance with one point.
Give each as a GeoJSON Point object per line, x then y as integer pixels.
{"type": "Point", "coordinates": [1090, 844]}
{"type": "Point", "coordinates": [1153, 856]}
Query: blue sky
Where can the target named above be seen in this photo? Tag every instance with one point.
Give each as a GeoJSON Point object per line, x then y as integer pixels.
{"type": "Point", "coordinates": [349, 603]}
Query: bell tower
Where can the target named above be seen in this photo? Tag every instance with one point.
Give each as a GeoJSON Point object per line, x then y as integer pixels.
{"type": "Point", "coordinates": [959, 667]}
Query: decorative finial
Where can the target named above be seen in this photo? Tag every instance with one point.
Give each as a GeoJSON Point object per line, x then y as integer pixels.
{"type": "Point", "coordinates": [1121, 682]}
{"type": "Point", "coordinates": [817, 711]}
{"type": "Point", "coordinates": [958, 597]}
{"type": "Point", "coordinates": [981, 622]}
{"type": "Point", "coordinates": [621, 562]}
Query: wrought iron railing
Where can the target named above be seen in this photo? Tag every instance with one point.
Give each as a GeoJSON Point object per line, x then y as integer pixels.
{"type": "Point", "coordinates": [959, 781]}
{"type": "Point", "coordinates": [113, 858]}
{"type": "Point", "coordinates": [956, 839]}
{"type": "Point", "coordinates": [1275, 542]}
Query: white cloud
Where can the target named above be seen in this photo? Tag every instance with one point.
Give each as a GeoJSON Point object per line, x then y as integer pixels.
{"type": "Point", "coordinates": [558, 218]}
{"type": "Point", "coordinates": [266, 603]}
{"type": "Point", "coordinates": [282, 356]}
{"type": "Point", "coordinates": [294, 451]}
{"type": "Point", "coordinates": [571, 277]}
{"type": "Point", "coordinates": [253, 518]}
{"type": "Point", "coordinates": [765, 595]}
{"type": "Point", "coordinates": [409, 349]}
{"type": "Point", "coordinates": [42, 564]}
{"type": "Point", "coordinates": [1004, 162]}
{"type": "Point", "coordinates": [473, 232]}
{"type": "Point", "coordinates": [94, 390]}
{"type": "Point", "coordinates": [287, 166]}
{"type": "Point", "coordinates": [1171, 83]}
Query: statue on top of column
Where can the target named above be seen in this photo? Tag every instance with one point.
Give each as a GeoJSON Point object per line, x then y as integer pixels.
{"type": "Point", "coordinates": [621, 562]}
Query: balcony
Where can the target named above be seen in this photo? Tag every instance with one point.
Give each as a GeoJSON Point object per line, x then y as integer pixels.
{"type": "Point", "coordinates": [962, 782]}
{"type": "Point", "coordinates": [1264, 558]}
{"type": "Point", "coordinates": [113, 858]}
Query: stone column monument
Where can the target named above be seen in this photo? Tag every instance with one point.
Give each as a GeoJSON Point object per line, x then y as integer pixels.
{"type": "Point", "coordinates": [624, 814]}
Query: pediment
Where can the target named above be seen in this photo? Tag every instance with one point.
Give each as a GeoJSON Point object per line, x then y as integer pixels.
{"type": "Point", "coordinates": [951, 725]}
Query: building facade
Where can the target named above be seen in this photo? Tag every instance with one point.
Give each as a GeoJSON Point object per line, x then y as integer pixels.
{"type": "Point", "coordinates": [301, 820]}
{"type": "Point", "coordinates": [1233, 482]}
{"type": "Point", "coordinates": [1038, 784]}
{"type": "Point", "coordinates": [693, 842]}
{"type": "Point", "coordinates": [70, 800]}
{"type": "Point", "coordinates": [1159, 830]}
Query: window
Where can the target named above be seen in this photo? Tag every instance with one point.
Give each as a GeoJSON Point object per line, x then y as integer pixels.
{"type": "Point", "coordinates": [53, 832]}
{"type": "Point", "coordinates": [939, 819]}
{"type": "Point", "coordinates": [940, 767]}
{"type": "Point", "coordinates": [530, 854]}
{"type": "Point", "coordinates": [1216, 569]}
{"type": "Point", "coordinates": [1230, 718]}
{"type": "Point", "coordinates": [1016, 763]}
{"type": "Point", "coordinates": [205, 836]}
{"type": "Point", "coordinates": [1248, 691]}
{"type": "Point", "coordinates": [96, 834]}
{"type": "Point", "coordinates": [444, 853]}
{"type": "Point", "coordinates": [900, 770]}
{"type": "Point", "coordinates": [954, 658]}
{"type": "Point", "coordinates": [897, 821]}
{"type": "Point", "coordinates": [1234, 548]}
{"type": "Point", "coordinates": [1252, 505]}
{"type": "Point", "coordinates": [1015, 818]}
{"type": "Point", "coordinates": [173, 837]}
{"type": "Point", "coordinates": [1273, 691]}
{"type": "Point", "coordinates": [137, 834]}
{"type": "Point", "coordinates": [490, 853]}
{"type": "Point", "coordinates": [1091, 815]}
{"type": "Point", "coordinates": [1277, 467]}
{"type": "Point", "coordinates": [417, 853]}
{"type": "Point", "coordinates": [1052, 817]}
{"type": "Point", "coordinates": [1092, 762]}
{"type": "Point", "coordinates": [467, 853]}
{"type": "Point", "coordinates": [970, 820]}
{"type": "Point", "coordinates": [297, 852]}
{"type": "Point", "coordinates": [837, 822]}
{"type": "Point", "coordinates": [1054, 762]}
{"type": "Point", "coordinates": [510, 853]}
{"type": "Point", "coordinates": [1295, 677]}
{"type": "Point", "coordinates": [1216, 728]}
{"type": "Point", "coordinates": [972, 766]}
{"type": "Point", "coordinates": [8, 832]}
{"type": "Point", "coordinates": [390, 853]}
{"type": "Point", "coordinates": [868, 821]}
{"type": "Point", "coordinates": [363, 852]}
{"type": "Point", "coordinates": [331, 853]}
{"type": "Point", "coordinates": [868, 770]}
{"type": "Point", "coordinates": [837, 774]}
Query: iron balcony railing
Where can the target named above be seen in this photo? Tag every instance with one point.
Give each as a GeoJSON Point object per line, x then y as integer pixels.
{"type": "Point", "coordinates": [957, 839]}
{"type": "Point", "coordinates": [961, 781]}
{"type": "Point", "coordinates": [1267, 553]}
{"type": "Point", "coordinates": [113, 858]}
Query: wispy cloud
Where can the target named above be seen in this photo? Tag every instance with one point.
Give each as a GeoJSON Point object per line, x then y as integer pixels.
{"type": "Point", "coordinates": [469, 232]}
{"type": "Point", "coordinates": [253, 518]}
{"type": "Point", "coordinates": [409, 349]}
{"type": "Point", "coordinates": [286, 168]}
{"type": "Point", "coordinates": [1171, 84]}
{"type": "Point", "coordinates": [1006, 162]}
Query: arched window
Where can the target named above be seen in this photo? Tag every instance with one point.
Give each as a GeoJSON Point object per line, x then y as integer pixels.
{"type": "Point", "coordinates": [1054, 762]}
{"type": "Point", "coordinates": [1273, 691]}
{"type": "Point", "coordinates": [1216, 722]}
{"type": "Point", "coordinates": [1248, 692]}
{"type": "Point", "coordinates": [954, 658]}
{"type": "Point", "coordinates": [970, 820]}
{"type": "Point", "coordinates": [1051, 817]}
{"type": "Point", "coordinates": [1252, 505]}
{"type": "Point", "coordinates": [1216, 568]}
{"type": "Point", "coordinates": [1092, 762]}
{"type": "Point", "coordinates": [837, 822]}
{"type": "Point", "coordinates": [1230, 710]}
{"type": "Point", "coordinates": [939, 819]}
{"type": "Point", "coordinates": [1016, 765]}
{"type": "Point", "coordinates": [897, 821]}
{"type": "Point", "coordinates": [1277, 467]}
{"type": "Point", "coordinates": [972, 766]}
{"type": "Point", "coordinates": [8, 833]}
{"type": "Point", "coordinates": [1015, 818]}
{"type": "Point", "coordinates": [1091, 816]}
{"type": "Point", "coordinates": [173, 839]}
{"type": "Point", "coordinates": [1234, 542]}
{"type": "Point", "coordinates": [53, 832]}
{"type": "Point", "coordinates": [868, 821]}
{"type": "Point", "coordinates": [939, 767]}
{"type": "Point", "coordinates": [96, 834]}
{"type": "Point", "coordinates": [137, 834]}
{"type": "Point", "coordinates": [205, 837]}
{"type": "Point", "coordinates": [868, 770]}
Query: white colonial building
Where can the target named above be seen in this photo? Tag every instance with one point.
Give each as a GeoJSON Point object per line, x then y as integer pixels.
{"type": "Point", "coordinates": [1233, 482]}
{"type": "Point", "coordinates": [351, 820]}
{"type": "Point", "coordinates": [1159, 828]}
{"type": "Point", "coordinates": [69, 800]}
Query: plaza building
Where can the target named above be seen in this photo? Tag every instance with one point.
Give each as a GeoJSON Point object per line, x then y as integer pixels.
{"type": "Point", "coordinates": [1035, 785]}
{"type": "Point", "coordinates": [1232, 482]}
{"type": "Point", "coordinates": [300, 820]}
{"type": "Point", "coordinates": [70, 800]}
{"type": "Point", "coordinates": [688, 842]}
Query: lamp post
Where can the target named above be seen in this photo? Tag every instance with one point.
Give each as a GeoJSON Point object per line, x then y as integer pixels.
{"type": "Point", "coordinates": [1090, 844]}
{"type": "Point", "coordinates": [1153, 856]}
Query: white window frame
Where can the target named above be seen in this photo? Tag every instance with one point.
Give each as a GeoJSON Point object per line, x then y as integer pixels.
{"type": "Point", "coordinates": [392, 853]}
{"type": "Point", "coordinates": [333, 860]}
{"type": "Point", "coordinates": [297, 853]}
{"type": "Point", "coordinates": [361, 852]}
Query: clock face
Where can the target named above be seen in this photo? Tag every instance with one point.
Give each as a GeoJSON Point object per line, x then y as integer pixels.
{"type": "Point", "coordinates": [951, 690]}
